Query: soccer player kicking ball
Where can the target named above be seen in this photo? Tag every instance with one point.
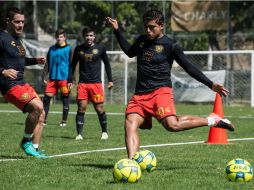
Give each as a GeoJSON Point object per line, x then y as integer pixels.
{"type": "Point", "coordinates": [89, 56]}
{"type": "Point", "coordinates": [153, 94]}
{"type": "Point", "coordinates": [12, 85]}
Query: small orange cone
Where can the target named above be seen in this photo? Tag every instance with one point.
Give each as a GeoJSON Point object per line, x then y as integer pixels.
{"type": "Point", "coordinates": [218, 135]}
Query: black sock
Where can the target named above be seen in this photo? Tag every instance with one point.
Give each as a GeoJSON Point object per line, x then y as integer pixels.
{"type": "Point", "coordinates": [46, 102]}
{"type": "Point", "coordinates": [103, 121]}
{"type": "Point", "coordinates": [80, 118]}
{"type": "Point", "coordinates": [25, 139]}
{"type": "Point", "coordinates": [65, 100]}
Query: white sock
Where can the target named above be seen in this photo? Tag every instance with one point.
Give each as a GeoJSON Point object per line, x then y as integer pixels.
{"type": "Point", "coordinates": [28, 135]}
{"type": "Point", "coordinates": [211, 121]}
{"type": "Point", "coordinates": [36, 146]}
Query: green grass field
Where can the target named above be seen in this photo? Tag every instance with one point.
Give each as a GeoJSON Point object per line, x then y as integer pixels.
{"type": "Point", "coordinates": [183, 167]}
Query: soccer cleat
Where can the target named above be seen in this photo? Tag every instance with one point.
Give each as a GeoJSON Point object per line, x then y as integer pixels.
{"type": "Point", "coordinates": [222, 123]}
{"type": "Point", "coordinates": [31, 151]}
{"type": "Point", "coordinates": [79, 137]}
{"type": "Point", "coordinates": [104, 136]}
{"type": "Point", "coordinates": [62, 124]}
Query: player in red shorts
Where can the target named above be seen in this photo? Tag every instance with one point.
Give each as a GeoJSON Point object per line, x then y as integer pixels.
{"type": "Point", "coordinates": [153, 95]}
{"type": "Point", "coordinates": [12, 85]}
{"type": "Point", "coordinates": [57, 69]}
{"type": "Point", "coordinates": [89, 56]}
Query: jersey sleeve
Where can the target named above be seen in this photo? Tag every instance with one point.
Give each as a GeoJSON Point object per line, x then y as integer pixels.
{"type": "Point", "coordinates": [30, 61]}
{"type": "Point", "coordinates": [128, 49]}
{"type": "Point", "coordinates": [74, 63]}
{"type": "Point", "coordinates": [105, 60]}
{"type": "Point", "coordinates": [191, 69]}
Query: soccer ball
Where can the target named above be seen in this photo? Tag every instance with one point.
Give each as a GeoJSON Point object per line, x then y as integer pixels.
{"type": "Point", "coordinates": [239, 170]}
{"type": "Point", "coordinates": [126, 171]}
{"type": "Point", "coordinates": [146, 160]}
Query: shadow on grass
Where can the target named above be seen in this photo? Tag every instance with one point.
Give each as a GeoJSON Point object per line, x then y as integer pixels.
{"type": "Point", "coordinates": [11, 157]}
{"type": "Point", "coordinates": [62, 137]}
{"type": "Point", "coordinates": [99, 166]}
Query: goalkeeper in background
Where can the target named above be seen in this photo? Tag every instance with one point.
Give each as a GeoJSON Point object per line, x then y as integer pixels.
{"type": "Point", "coordinates": [153, 96]}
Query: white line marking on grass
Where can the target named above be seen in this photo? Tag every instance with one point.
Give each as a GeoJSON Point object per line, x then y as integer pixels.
{"type": "Point", "coordinates": [123, 148]}
{"type": "Point", "coordinates": [144, 146]}
{"type": "Point", "coordinates": [116, 113]}
{"type": "Point", "coordinates": [59, 112]}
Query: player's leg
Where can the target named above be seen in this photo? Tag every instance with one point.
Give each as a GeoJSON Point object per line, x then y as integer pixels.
{"type": "Point", "coordinates": [25, 98]}
{"type": "Point", "coordinates": [175, 124]}
{"type": "Point", "coordinates": [97, 97]}
{"type": "Point", "coordinates": [181, 123]}
{"type": "Point", "coordinates": [46, 104]}
{"type": "Point", "coordinates": [50, 91]}
{"type": "Point", "coordinates": [35, 118]}
{"type": "Point", "coordinates": [65, 100]}
{"type": "Point", "coordinates": [99, 108]}
{"type": "Point", "coordinates": [80, 118]}
{"type": "Point", "coordinates": [132, 123]}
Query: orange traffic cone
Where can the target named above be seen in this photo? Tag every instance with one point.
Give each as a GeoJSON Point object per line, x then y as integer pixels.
{"type": "Point", "coordinates": [217, 135]}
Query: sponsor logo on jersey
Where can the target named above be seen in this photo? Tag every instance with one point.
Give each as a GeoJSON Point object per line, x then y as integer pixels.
{"type": "Point", "coordinates": [95, 51]}
{"type": "Point", "coordinates": [25, 96]}
{"type": "Point", "coordinates": [13, 43]}
{"type": "Point", "coordinates": [159, 48]}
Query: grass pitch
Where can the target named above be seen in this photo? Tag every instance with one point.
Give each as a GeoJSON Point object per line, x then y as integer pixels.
{"type": "Point", "coordinates": [190, 166]}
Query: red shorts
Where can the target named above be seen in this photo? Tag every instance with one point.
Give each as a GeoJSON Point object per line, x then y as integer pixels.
{"type": "Point", "coordinates": [92, 91]}
{"type": "Point", "coordinates": [20, 95]}
{"type": "Point", "coordinates": [158, 103]}
{"type": "Point", "coordinates": [54, 85]}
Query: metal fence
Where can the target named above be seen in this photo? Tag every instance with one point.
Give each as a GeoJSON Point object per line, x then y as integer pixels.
{"type": "Point", "coordinates": [237, 64]}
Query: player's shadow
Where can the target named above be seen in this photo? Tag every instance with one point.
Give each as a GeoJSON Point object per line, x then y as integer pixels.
{"type": "Point", "coordinates": [11, 157]}
{"type": "Point", "coordinates": [62, 137]}
{"type": "Point", "coordinates": [99, 166]}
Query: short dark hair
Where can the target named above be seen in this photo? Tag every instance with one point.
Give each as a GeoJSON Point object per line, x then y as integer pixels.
{"type": "Point", "coordinates": [59, 32]}
{"type": "Point", "coordinates": [153, 15]}
{"type": "Point", "coordinates": [10, 13]}
{"type": "Point", "coordinates": [87, 30]}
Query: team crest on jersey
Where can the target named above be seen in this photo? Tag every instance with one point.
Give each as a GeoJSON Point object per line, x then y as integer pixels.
{"type": "Point", "coordinates": [82, 52]}
{"type": "Point", "coordinates": [142, 44]}
{"type": "Point", "coordinates": [95, 51]}
{"type": "Point", "coordinates": [159, 48]}
{"type": "Point", "coordinates": [25, 96]}
{"type": "Point", "coordinates": [22, 51]}
{"type": "Point", "coordinates": [13, 43]}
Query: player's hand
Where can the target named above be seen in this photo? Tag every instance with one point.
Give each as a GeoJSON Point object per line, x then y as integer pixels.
{"type": "Point", "coordinates": [45, 82]}
{"type": "Point", "coordinates": [110, 85]}
{"type": "Point", "coordinates": [110, 22]}
{"type": "Point", "coordinates": [41, 60]}
{"type": "Point", "coordinates": [11, 73]}
{"type": "Point", "coordinates": [220, 89]}
{"type": "Point", "coordinates": [70, 85]}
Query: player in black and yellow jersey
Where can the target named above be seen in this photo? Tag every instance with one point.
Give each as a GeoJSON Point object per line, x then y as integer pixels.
{"type": "Point", "coordinates": [12, 85]}
{"type": "Point", "coordinates": [153, 96]}
{"type": "Point", "coordinates": [89, 55]}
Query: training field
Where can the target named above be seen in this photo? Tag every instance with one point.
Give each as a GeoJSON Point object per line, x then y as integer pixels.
{"type": "Point", "coordinates": [184, 162]}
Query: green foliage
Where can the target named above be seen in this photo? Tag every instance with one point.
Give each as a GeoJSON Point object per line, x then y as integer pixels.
{"type": "Point", "coordinates": [190, 166]}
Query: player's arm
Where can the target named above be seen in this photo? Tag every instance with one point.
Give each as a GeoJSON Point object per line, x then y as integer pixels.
{"type": "Point", "coordinates": [128, 49]}
{"type": "Point", "coordinates": [73, 65]}
{"type": "Point", "coordinates": [105, 60]}
{"type": "Point", "coordinates": [194, 72]}
{"type": "Point", "coordinates": [71, 78]}
{"type": "Point", "coordinates": [46, 69]}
